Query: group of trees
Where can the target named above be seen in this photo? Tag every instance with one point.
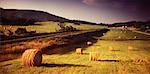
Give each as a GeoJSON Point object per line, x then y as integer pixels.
{"type": "Point", "coordinates": [19, 31]}
{"type": "Point", "coordinates": [64, 28]}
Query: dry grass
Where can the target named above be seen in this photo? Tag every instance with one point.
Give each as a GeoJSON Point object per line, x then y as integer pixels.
{"type": "Point", "coordinates": [9, 56]}
{"type": "Point", "coordinates": [93, 56]}
{"type": "Point", "coordinates": [116, 62]}
{"type": "Point", "coordinates": [117, 34]}
{"type": "Point", "coordinates": [18, 48]}
{"type": "Point", "coordinates": [108, 62]}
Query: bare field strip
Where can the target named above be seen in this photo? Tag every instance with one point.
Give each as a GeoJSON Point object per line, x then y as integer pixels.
{"type": "Point", "coordinates": [64, 34]}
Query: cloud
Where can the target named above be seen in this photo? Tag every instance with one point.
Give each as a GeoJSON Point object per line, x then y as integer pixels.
{"type": "Point", "coordinates": [89, 2]}
{"type": "Point", "coordinates": [117, 3]}
{"type": "Point", "coordinates": [120, 4]}
{"type": "Point", "coordinates": [137, 7]}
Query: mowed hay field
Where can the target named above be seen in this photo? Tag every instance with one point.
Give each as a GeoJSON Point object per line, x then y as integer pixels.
{"type": "Point", "coordinates": [115, 57]}
{"type": "Point", "coordinates": [117, 61]}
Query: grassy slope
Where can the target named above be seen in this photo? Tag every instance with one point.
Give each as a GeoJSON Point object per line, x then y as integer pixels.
{"type": "Point", "coordinates": [45, 27]}
{"type": "Point", "coordinates": [48, 27]}
{"type": "Point", "coordinates": [72, 63]}
{"type": "Point", "coordinates": [86, 26]}
{"type": "Point", "coordinates": [114, 34]}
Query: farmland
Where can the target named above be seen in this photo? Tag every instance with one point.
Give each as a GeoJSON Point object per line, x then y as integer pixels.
{"type": "Point", "coordinates": [120, 60]}
{"type": "Point", "coordinates": [74, 37]}
{"type": "Point", "coordinates": [118, 34]}
{"type": "Point", "coordinates": [47, 27]}
{"type": "Point", "coordinates": [72, 63]}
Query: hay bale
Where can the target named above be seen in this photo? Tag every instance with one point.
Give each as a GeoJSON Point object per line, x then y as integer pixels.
{"type": "Point", "coordinates": [89, 43]}
{"type": "Point", "coordinates": [32, 57]}
{"type": "Point", "coordinates": [135, 37]}
{"type": "Point", "coordinates": [79, 51]}
{"type": "Point", "coordinates": [147, 62]}
{"type": "Point", "coordinates": [93, 56]}
{"type": "Point", "coordinates": [142, 61]}
{"type": "Point", "coordinates": [104, 34]}
{"type": "Point", "coordinates": [130, 48]}
{"type": "Point", "coordinates": [110, 48]}
{"type": "Point", "coordinates": [119, 37]}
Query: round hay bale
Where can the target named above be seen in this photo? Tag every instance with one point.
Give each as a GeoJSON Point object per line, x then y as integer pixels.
{"type": "Point", "coordinates": [110, 48]}
{"type": "Point", "coordinates": [32, 57]}
{"type": "Point", "coordinates": [130, 48]}
{"type": "Point", "coordinates": [89, 43]}
{"type": "Point", "coordinates": [104, 34]}
{"type": "Point", "coordinates": [93, 56]}
{"type": "Point", "coordinates": [79, 51]}
{"type": "Point", "coordinates": [135, 37]}
{"type": "Point", "coordinates": [119, 37]}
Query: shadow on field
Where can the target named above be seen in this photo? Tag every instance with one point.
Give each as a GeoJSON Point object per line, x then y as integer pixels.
{"type": "Point", "coordinates": [108, 60]}
{"type": "Point", "coordinates": [57, 45]}
{"type": "Point", "coordinates": [115, 50]}
{"type": "Point", "coordinates": [85, 53]}
{"type": "Point", "coordinates": [73, 42]}
{"type": "Point", "coordinates": [63, 65]}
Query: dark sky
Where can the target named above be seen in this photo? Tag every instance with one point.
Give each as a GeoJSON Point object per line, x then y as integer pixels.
{"type": "Point", "coordinates": [105, 11]}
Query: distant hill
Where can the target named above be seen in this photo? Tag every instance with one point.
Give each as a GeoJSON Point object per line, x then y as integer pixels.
{"type": "Point", "coordinates": [26, 17]}
{"type": "Point", "coordinates": [78, 22]}
{"type": "Point", "coordinates": [29, 17]}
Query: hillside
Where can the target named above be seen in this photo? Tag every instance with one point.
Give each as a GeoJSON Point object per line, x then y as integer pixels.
{"type": "Point", "coordinates": [118, 34]}
{"type": "Point", "coordinates": [26, 17]}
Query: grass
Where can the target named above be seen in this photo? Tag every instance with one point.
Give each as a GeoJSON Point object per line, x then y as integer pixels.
{"type": "Point", "coordinates": [86, 26]}
{"type": "Point", "coordinates": [118, 34]}
{"type": "Point", "coordinates": [44, 27]}
{"type": "Point", "coordinates": [72, 63]}
{"type": "Point", "coordinates": [117, 61]}
{"type": "Point", "coordinates": [48, 27]}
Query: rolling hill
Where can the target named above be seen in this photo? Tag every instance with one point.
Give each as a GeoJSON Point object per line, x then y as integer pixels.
{"type": "Point", "coordinates": [26, 17]}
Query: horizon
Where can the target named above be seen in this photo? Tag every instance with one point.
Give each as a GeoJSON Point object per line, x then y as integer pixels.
{"type": "Point", "coordinates": [97, 11]}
